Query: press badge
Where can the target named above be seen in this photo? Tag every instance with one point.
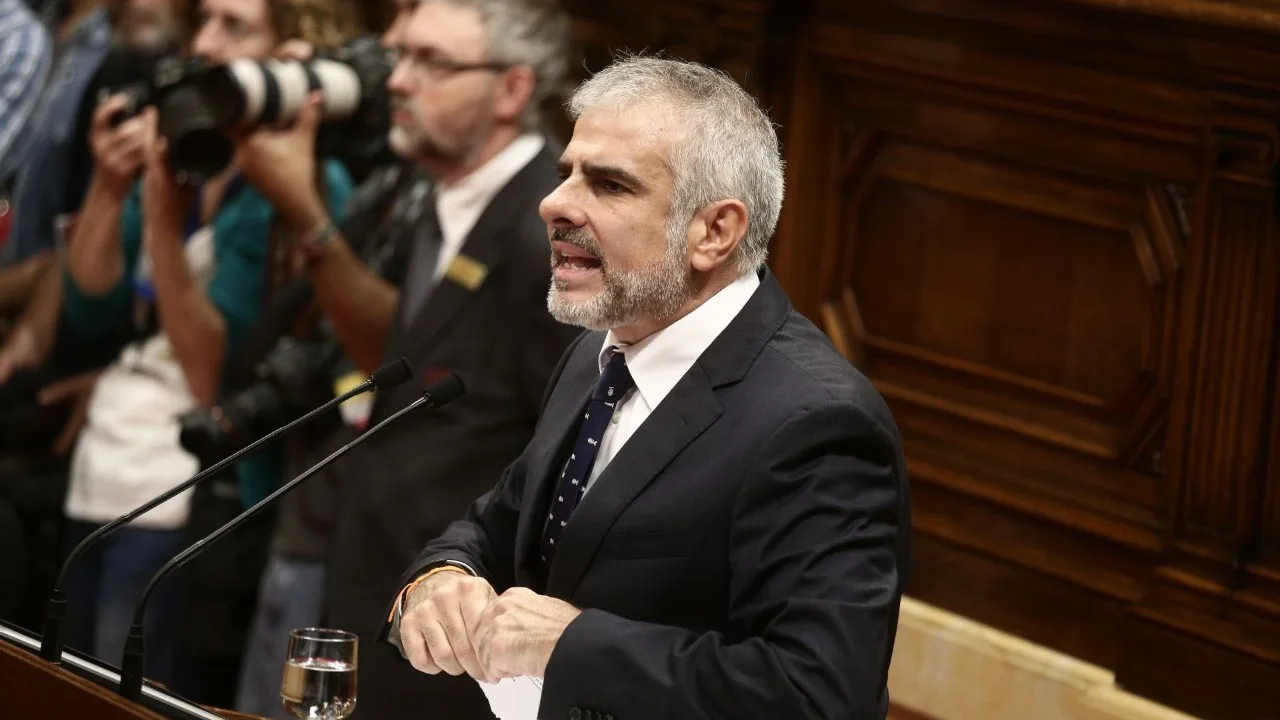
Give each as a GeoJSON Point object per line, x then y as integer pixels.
{"type": "Point", "coordinates": [356, 411]}
{"type": "Point", "coordinates": [466, 272]}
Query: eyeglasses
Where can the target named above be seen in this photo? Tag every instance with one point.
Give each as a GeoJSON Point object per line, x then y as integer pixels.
{"type": "Point", "coordinates": [434, 67]}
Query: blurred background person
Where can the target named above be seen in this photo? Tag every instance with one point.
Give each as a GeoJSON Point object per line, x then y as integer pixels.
{"type": "Point", "coordinates": [470, 80]}
{"type": "Point", "coordinates": [185, 271]}
{"type": "Point", "coordinates": [45, 379]}
{"type": "Point", "coordinates": [45, 185]}
{"type": "Point", "coordinates": [26, 53]}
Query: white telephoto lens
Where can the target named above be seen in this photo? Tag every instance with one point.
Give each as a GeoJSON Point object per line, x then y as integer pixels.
{"type": "Point", "coordinates": [253, 88]}
{"type": "Point", "coordinates": [291, 79]}
{"type": "Point", "coordinates": [341, 86]}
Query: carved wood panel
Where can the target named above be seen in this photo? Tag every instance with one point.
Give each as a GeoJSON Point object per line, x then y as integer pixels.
{"type": "Point", "coordinates": [1052, 266]}
{"type": "Point", "coordinates": [1046, 231]}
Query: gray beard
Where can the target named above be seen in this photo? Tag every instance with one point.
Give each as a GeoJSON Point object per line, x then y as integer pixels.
{"type": "Point", "coordinates": [653, 293]}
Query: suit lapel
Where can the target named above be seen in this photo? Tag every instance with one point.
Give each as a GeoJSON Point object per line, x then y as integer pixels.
{"type": "Point", "coordinates": [687, 411]}
{"type": "Point", "coordinates": [560, 424]}
{"type": "Point", "coordinates": [483, 250]}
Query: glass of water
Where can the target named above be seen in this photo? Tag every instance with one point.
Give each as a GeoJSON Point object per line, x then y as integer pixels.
{"type": "Point", "coordinates": [320, 674]}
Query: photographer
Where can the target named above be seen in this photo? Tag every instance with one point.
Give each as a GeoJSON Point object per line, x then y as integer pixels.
{"type": "Point", "coordinates": [470, 80]}
{"type": "Point", "coordinates": [187, 269]}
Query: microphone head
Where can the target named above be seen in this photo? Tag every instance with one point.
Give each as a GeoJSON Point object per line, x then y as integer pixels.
{"type": "Point", "coordinates": [446, 390]}
{"type": "Point", "coordinates": [393, 373]}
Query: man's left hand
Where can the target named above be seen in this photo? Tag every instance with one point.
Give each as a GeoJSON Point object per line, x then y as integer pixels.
{"type": "Point", "coordinates": [281, 164]}
{"type": "Point", "coordinates": [518, 632]}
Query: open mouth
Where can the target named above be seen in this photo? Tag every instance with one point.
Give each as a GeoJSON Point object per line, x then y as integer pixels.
{"type": "Point", "coordinates": [572, 257]}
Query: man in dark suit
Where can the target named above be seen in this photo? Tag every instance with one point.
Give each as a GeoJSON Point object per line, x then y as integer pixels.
{"type": "Point", "coordinates": [711, 519]}
{"type": "Point", "coordinates": [466, 93]}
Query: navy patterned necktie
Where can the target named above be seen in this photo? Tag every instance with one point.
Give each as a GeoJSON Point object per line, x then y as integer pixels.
{"type": "Point", "coordinates": [615, 382]}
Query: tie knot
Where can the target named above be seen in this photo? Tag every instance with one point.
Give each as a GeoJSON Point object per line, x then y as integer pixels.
{"type": "Point", "coordinates": [615, 379]}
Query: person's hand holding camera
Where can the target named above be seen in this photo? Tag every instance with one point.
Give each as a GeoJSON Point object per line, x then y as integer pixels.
{"type": "Point", "coordinates": [281, 164]}
{"type": "Point", "coordinates": [120, 149]}
{"type": "Point", "coordinates": [165, 201]}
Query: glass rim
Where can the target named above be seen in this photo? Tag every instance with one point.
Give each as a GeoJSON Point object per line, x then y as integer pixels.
{"type": "Point", "coordinates": [319, 634]}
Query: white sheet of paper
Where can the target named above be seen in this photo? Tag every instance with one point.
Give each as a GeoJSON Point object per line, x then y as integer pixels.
{"type": "Point", "coordinates": [514, 698]}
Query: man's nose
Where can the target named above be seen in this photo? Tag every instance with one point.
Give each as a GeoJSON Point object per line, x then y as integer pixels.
{"type": "Point", "coordinates": [559, 208]}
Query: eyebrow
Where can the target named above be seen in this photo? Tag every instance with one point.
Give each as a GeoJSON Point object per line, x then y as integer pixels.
{"type": "Point", "coordinates": [602, 172]}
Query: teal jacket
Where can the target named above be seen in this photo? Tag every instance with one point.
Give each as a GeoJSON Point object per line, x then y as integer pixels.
{"type": "Point", "coordinates": [241, 231]}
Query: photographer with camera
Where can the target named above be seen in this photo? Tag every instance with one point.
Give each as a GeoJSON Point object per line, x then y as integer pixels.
{"type": "Point", "coordinates": [471, 78]}
{"type": "Point", "coordinates": [187, 269]}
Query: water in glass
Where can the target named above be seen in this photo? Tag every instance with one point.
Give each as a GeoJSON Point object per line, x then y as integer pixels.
{"type": "Point", "coordinates": [320, 674]}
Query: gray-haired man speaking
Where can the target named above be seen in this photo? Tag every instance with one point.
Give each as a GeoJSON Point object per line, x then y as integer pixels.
{"type": "Point", "coordinates": [711, 519]}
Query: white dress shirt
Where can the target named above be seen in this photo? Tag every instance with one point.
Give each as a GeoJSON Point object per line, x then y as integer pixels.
{"type": "Point", "coordinates": [459, 206]}
{"type": "Point", "coordinates": [659, 361]}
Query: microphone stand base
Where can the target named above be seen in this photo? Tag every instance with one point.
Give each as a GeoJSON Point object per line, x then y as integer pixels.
{"type": "Point", "coordinates": [51, 639]}
{"type": "Point", "coordinates": [131, 665]}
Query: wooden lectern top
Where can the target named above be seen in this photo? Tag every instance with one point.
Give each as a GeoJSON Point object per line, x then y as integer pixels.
{"type": "Point", "coordinates": [33, 689]}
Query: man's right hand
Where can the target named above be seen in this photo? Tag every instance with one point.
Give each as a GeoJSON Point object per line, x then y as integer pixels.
{"type": "Point", "coordinates": [120, 152]}
{"type": "Point", "coordinates": [438, 624]}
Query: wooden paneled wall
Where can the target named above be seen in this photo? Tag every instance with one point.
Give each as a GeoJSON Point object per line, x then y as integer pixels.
{"type": "Point", "coordinates": [1047, 231]}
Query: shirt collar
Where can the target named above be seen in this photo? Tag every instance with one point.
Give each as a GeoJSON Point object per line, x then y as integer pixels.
{"type": "Point", "coordinates": [470, 195]}
{"type": "Point", "coordinates": [659, 361]}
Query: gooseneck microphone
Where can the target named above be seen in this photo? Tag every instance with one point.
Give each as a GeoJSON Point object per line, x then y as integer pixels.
{"type": "Point", "coordinates": [441, 393]}
{"type": "Point", "coordinates": [390, 375]}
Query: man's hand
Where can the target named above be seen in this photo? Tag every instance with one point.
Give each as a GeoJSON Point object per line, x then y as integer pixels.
{"type": "Point", "coordinates": [76, 390]}
{"type": "Point", "coordinates": [518, 632]}
{"type": "Point", "coordinates": [437, 628]}
{"type": "Point", "coordinates": [165, 201]}
{"type": "Point", "coordinates": [119, 153]}
{"type": "Point", "coordinates": [281, 164]}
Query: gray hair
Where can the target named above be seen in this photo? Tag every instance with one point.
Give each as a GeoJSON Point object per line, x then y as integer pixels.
{"type": "Point", "coordinates": [729, 150]}
{"type": "Point", "coordinates": [534, 33]}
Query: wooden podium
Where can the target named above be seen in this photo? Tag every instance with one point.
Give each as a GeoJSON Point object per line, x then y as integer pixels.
{"type": "Point", "coordinates": [31, 689]}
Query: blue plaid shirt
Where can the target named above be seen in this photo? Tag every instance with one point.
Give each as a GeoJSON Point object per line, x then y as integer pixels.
{"type": "Point", "coordinates": [25, 55]}
{"type": "Point", "coordinates": [41, 194]}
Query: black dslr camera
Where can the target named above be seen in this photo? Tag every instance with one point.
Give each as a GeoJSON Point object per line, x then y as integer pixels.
{"type": "Point", "coordinates": [198, 103]}
{"type": "Point", "coordinates": [295, 377]}
{"type": "Point", "coordinates": [197, 145]}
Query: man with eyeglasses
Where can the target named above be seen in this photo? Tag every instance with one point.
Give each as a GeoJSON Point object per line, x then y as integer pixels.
{"type": "Point", "coordinates": [470, 79]}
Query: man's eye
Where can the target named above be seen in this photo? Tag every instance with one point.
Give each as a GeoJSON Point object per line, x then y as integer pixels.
{"type": "Point", "coordinates": [610, 186]}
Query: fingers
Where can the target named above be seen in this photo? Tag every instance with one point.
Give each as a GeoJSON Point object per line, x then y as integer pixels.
{"type": "Point", "coordinates": [440, 648]}
{"type": "Point", "coordinates": [415, 648]}
{"type": "Point", "coordinates": [106, 109]}
{"type": "Point", "coordinates": [472, 609]}
{"type": "Point", "coordinates": [295, 50]}
{"type": "Point", "coordinates": [463, 651]}
{"type": "Point", "coordinates": [310, 112]}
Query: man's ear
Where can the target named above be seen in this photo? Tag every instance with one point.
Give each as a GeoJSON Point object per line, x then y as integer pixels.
{"type": "Point", "coordinates": [514, 92]}
{"type": "Point", "coordinates": [715, 234]}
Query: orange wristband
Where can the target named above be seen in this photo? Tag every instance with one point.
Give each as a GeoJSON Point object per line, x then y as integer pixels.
{"type": "Point", "coordinates": [408, 589]}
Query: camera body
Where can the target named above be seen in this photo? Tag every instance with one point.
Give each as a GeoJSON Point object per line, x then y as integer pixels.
{"type": "Point", "coordinates": [174, 85]}
{"type": "Point", "coordinates": [295, 377]}
{"type": "Point", "coordinates": [198, 103]}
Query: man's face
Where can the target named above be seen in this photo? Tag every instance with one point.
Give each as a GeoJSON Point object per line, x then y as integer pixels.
{"type": "Point", "coordinates": [233, 29]}
{"type": "Point", "coordinates": [442, 103]}
{"type": "Point", "coordinates": [618, 257]}
{"type": "Point", "coordinates": [149, 25]}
